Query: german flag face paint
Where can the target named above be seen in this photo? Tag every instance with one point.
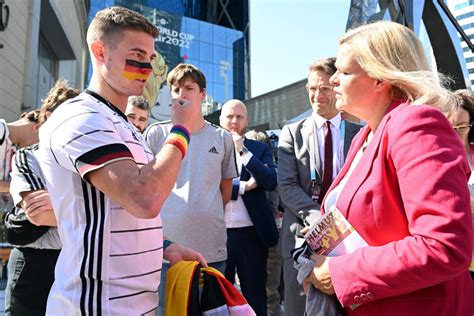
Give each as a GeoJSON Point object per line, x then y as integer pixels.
{"type": "Point", "coordinates": [135, 70]}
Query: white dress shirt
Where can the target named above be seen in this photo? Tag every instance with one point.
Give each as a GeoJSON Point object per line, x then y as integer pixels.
{"type": "Point", "coordinates": [338, 143]}
{"type": "Point", "coordinates": [235, 213]}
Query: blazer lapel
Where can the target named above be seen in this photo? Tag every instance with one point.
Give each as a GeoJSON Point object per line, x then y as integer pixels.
{"type": "Point", "coordinates": [362, 170]}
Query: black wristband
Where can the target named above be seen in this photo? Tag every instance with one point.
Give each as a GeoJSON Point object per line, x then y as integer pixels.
{"type": "Point", "coordinates": [166, 243]}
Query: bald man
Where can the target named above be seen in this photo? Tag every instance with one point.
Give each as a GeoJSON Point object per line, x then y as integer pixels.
{"type": "Point", "coordinates": [251, 228]}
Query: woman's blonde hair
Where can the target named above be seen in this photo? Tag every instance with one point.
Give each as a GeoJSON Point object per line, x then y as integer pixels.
{"type": "Point", "coordinates": [391, 52]}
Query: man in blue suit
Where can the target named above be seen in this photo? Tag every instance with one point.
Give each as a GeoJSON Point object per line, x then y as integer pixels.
{"type": "Point", "coordinates": [251, 228]}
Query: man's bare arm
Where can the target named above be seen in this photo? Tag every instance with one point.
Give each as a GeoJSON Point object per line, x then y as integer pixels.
{"type": "Point", "coordinates": [143, 191]}
{"type": "Point", "coordinates": [226, 190]}
{"type": "Point", "coordinates": [38, 208]}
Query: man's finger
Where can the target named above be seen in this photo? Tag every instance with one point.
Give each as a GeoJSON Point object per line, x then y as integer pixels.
{"type": "Point", "coordinates": [201, 260]}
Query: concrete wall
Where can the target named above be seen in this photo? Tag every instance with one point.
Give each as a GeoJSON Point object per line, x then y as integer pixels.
{"type": "Point", "coordinates": [22, 84]}
{"type": "Point", "coordinates": [16, 42]}
{"type": "Point", "coordinates": [278, 106]}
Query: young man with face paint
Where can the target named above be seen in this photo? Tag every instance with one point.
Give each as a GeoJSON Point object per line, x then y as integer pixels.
{"type": "Point", "coordinates": [193, 214]}
{"type": "Point", "coordinates": [105, 185]}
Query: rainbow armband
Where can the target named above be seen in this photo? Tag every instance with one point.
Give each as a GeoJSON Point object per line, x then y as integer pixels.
{"type": "Point", "coordinates": [179, 137]}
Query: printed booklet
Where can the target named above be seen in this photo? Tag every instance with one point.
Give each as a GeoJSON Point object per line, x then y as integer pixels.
{"type": "Point", "coordinates": [332, 235]}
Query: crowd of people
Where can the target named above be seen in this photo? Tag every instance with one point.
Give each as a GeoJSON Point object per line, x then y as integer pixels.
{"type": "Point", "coordinates": [102, 205]}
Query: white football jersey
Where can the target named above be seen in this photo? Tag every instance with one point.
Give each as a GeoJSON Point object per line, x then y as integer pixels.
{"type": "Point", "coordinates": [110, 262]}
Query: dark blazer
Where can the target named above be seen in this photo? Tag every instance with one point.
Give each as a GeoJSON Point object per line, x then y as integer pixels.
{"type": "Point", "coordinates": [263, 170]}
{"type": "Point", "coordinates": [294, 176]}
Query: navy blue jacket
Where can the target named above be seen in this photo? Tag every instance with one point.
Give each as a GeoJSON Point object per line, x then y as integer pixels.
{"type": "Point", "coordinates": [263, 170]}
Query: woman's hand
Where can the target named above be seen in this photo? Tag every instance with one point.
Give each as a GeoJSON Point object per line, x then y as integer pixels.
{"type": "Point", "coordinates": [320, 277]}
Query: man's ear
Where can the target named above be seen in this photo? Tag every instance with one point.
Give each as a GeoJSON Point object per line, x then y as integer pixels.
{"type": "Point", "coordinates": [37, 126]}
{"type": "Point", "coordinates": [203, 94]}
{"type": "Point", "coordinates": [98, 50]}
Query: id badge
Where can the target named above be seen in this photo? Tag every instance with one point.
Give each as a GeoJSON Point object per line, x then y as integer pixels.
{"type": "Point", "coordinates": [315, 190]}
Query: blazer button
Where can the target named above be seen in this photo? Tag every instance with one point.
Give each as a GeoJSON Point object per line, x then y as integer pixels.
{"type": "Point", "coordinates": [357, 298]}
{"type": "Point", "coordinates": [370, 295]}
{"type": "Point", "coordinates": [363, 297]}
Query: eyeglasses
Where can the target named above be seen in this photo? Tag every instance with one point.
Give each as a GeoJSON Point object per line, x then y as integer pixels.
{"type": "Point", "coordinates": [462, 128]}
{"type": "Point", "coordinates": [323, 88]}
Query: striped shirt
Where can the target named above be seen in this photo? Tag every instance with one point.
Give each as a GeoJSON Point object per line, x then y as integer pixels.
{"type": "Point", "coordinates": [26, 176]}
{"type": "Point", "coordinates": [7, 150]}
{"type": "Point", "coordinates": [110, 262]}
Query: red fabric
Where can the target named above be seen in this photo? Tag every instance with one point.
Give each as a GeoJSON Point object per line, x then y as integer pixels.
{"type": "Point", "coordinates": [328, 156]}
{"type": "Point", "coordinates": [232, 296]}
{"type": "Point", "coordinates": [406, 200]}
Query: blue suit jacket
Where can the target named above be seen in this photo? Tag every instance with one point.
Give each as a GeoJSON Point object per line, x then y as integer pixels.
{"type": "Point", "coordinates": [263, 170]}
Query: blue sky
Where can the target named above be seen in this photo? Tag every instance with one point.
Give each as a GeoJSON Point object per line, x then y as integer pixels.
{"type": "Point", "coordinates": [287, 35]}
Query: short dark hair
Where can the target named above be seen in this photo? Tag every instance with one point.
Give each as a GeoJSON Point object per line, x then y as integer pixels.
{"type": "Point", "coordinates": [59, 93]}
{"type": "Point", "coordinates": [466, 102]}
{"type": "Point", "coordinates": [32, 116]}
{"type": "Point", "coordinates": [139, 101]}
{"type": "Point", "coordinates": [185, 71]}
{"type": "Point", "coordinates": [327, 65]}
{"type": "Point", "coordinates": [109, 24]}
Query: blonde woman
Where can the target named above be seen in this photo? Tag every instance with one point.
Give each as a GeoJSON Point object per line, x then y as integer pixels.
{"type": "Point", "coordinates": [400, 185]}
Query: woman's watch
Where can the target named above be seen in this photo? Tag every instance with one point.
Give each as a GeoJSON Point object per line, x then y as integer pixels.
{"type": "Point", "coordinates": [243, 151]}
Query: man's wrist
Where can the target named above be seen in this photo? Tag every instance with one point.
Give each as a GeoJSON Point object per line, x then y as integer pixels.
{"type": "Point", "coordinates": [179, 136]}
{"type": "Point", "coordinates": [242, 186]}
{"type": "Point", "coordinates": [243, 151]}
{"type": "Point", "coordinates": [245, 159]}
{"type": "Point", "coordinates": [166, 243]}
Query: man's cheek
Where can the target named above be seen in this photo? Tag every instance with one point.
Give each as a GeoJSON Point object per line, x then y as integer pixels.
{"type": "Point", "coordinates": [135, 70]}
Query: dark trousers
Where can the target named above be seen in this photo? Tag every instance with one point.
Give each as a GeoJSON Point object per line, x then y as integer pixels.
{"type": "Point", "coordinates": [30, 277]}
{"type": "Point", "coordinates": [247, 256]}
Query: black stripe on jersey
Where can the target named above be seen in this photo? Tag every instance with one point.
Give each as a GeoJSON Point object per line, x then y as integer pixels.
{"type": "Point", "coordinates": [4, 133]}
{"type": "Point", "coordinates": [21, 162]}
{"type": "Point", "coordinates": [151, 310]}
{"type": "Point", "coordinates": [135, 230]}
{"type": "Point", "coordinates": [91, 267]}
{"type": "Point", "coordinates": [74, 100]}
{"type": "Point", "coordinates": [149, 152]}
{"type": "Point", "coordinates": [135, 253]}
{"type": "Point", "coordinates": [92, 258]}
{"type": "Point", "coordinates": [69, 118]}
{"type": "Point", "coordinates": [135, 143]}
{"type": "Point", "coordinates": [35, 178]}
{"type": "Point", "coordinates": [130, 295]}
{"type": "Point", "coordinates": [86, 249]}
{"type": "Point", "coordinates": [87, 134]}
{"type": "Point", "coordinates": [136, 275]}
{"type": "Point", "coordinates": [100, 250]}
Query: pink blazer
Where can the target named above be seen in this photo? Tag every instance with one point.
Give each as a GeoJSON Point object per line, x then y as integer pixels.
{"type": "Point", "coordinates": [408, 198]}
